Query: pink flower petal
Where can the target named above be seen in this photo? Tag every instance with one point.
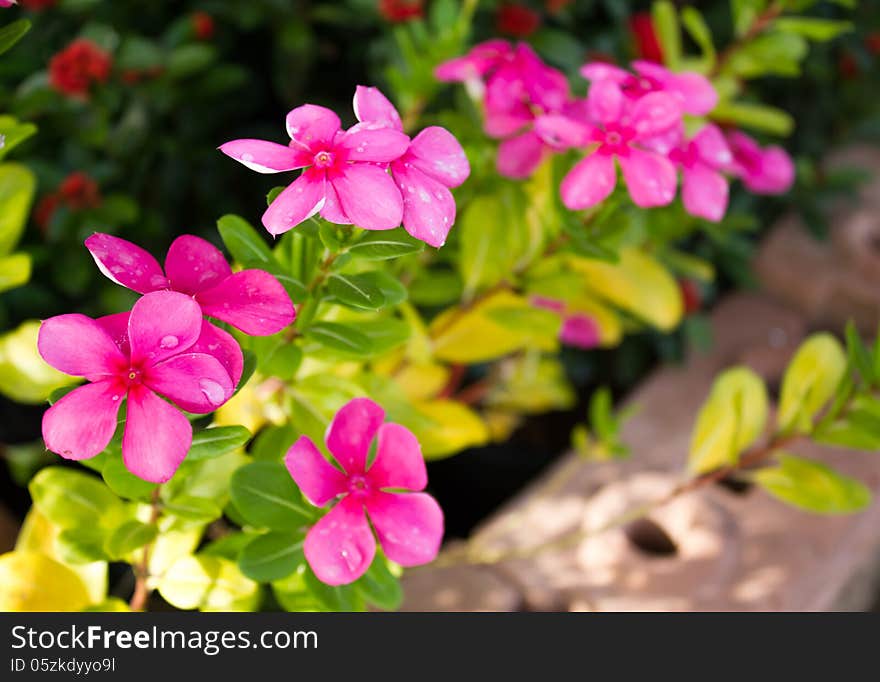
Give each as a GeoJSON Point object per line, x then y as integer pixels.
{"type": "Point", "coordinates": [774, 173]}
{"type": "Point", "coordinates": [126, 264]}
{"type": "Point", "coordinates": [704, 192]}
{"type": "Point", "coordinates": [399, 462]}
{"type": "Point", "coordinates": [311, 126]}
{"type": "Point", "coordinates": [502, 123]}
{"type": "Point", "coordinates": [81, 424]}
{"type": "Point", "coordinates": [519, 156]}
{"type": "Point", "coordinates": [252, 301]}
{"type": "Point", "coordinates": [476, 63]}
{"type": "Point", "coordinates": [655, 113]}
{"type": "Point", "coordinates": [600, 71]}
{"type": "Point", "coordinates": [605, 101]}
{"type": "Point", "coordinates": [319, 480]}
{"type": "Point", "coordinates": [332, 209]}
{"type": "Point", "coordinates": [341, 546]}
{"type": "Point", "coordinates": [300, 201]}
{"type": "Point", "coordinates": [712, 147]}
{"type": "Point", "coordinates": [116, 326]}
{"type": "Point", "coordinates": [351, 432]}
{"type": "Point", "coordinates": [698, 95]}
{"type": "Point", "coordinates": [157, 436]}
{"type": "Point", "coordinates": [266, 157]}
{"type": "Point", "coordinates": [428, 206]}
{"type": "Point", "coordinates": [193, 264]}
{"type": "Point", "coordinates": [371, 105]}
{"type": "Point", "coordinates": [162, 324]}
{"type": "Point", "coordinates": [562, 132]}
{"type": "Point", "coordinates": [409, 526]}
{"type": "Point", "coordinates": [580, 331]}
{"type": "Point", "coordinates": [369, 197]}
{"type": "Point", "coordinates": [195, 382]}
{"type": "Point", "coordinates": [220, 343]}
{"type": "Point", "coordinates": [590, 181]}
{"type": "Point", "coordinates": [373, 142]}
{"type": "Point", "coordinates": [650, 178]}
{"type": "Point", "coordinates": [78, 345]}
{"type": "Point", "coordinates": [436, 152]}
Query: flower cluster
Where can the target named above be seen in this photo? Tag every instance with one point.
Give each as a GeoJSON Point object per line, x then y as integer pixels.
{"type": "Point", "coordinates": [634, 119]}
{"type": "Point", "coordinates": [163, 347]}
{"type": "Point", "coordinates": [77, 67]}
{"type": "Point", "coordinates": [78, 192]}
{"type": "Point", "coordinates": [345, 174]}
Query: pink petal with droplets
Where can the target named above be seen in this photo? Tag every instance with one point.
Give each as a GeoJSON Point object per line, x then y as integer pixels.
{"type": "Point", "coordinates": [369, 197]}
{"type": "Point", "coordinates": [126, 264]}
{"type": "Point", "coordinates": [319, 480]}
{"type": "Point", "coordinates": [311, 126]}
{"type": "Point", "coordinates": [428, 206]}
{"type": "Point", "coordinates": [655, 113]}
{"type": "Point", "coordinates": [81, 424]}
{"type": "Point", "coordinates": [650, 178]}
{"type": "Point", "coordinates": [373, 142]}
{"type": "Point", "coordinates": [252, 301]}
{"type": "Point", "coordinates": [341, 546]}
{"type": "Point", "coordinates": [519, 156]}
{"type": "Point", "coordinates": [266, 157]}
{"type": "Point", "coordinates": [399, 462]}
{"type": "Point", "coordinates": [193, 264]}
{"type": "Point", "coordinates": [162, 324]}
{"type": "Point", "coordinates": [436, 152]}
{"type": "Point", "coordinates": [220, 344]}
{"type": "Point", "coordinates": [590, 182]}
{"type": "Point", "coordinates": [79, 346]}
{"type": "Point", "coordinates": [157, 436]}
{"type": "Point", "coordinates": [371, 105]}
{"type": "Point", "coordinates": [351, 432]}
{"type": "Point", "coordinates": [409, 526]}
{"type": "Point", "coordinates": [300, 201]}
{"type": "Point", "coordinates": [704, 192]}
{"type": "Point", "coordinates": [195, 382]}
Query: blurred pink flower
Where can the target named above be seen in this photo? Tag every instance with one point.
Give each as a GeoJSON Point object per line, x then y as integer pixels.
{"type": "Point", "coordinates": [8, 3]}
{"type": "Point", "coordinates": [250, 300]}
{"type": "Point", "coordinates": [162, 330]}
{"type": "Point", "coordinates": [343, 178]}
{"type": "Point", "coordinates": [433, 163]}
{"type": "Point", "coordinates": [578, 329]}
{"type": "Point", "coordinates": [697, 95]}
{"type": "Point", "coordinates": [476, 64]}
{"type": "Point", "coordinates": [341, 546]}
{"type": "Point", "coordinates": [702, 158]}
{"type": "Point", "coordinates": [617, 128]}
{"type": "Point", "coordinates": [764, 171]}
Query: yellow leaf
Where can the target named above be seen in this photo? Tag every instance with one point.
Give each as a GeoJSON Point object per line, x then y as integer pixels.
{"type": "Point", "coordinates": [422, 381]}
{"type": "Point", "coordinates": [448, 427]}
{"type": "Point", "coordinates": [30, 581]}
{"type": "Point", "coordinates": [208, 583]}
{"type": "Point", "coordinates": [24, 375]}
{"type": "Point", "coordinates": [470, 335]}
{"type": "Point", "coordinates": [637, 284]}
{"type": "Point", "coordinates": [730, 420]}
{"type": "Point", "coordinates": [810, 381]}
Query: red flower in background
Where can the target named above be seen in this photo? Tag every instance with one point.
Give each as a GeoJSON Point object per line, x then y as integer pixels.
{"type": "Point", "coordinates": [82, 63]}
{"type": "Point", "coordinates": [397, 11]}
{"type": "Point", "coordinates": [45, 209]}
{"type": "Point", "coordinates": [79, 191]}
{"type": "Point", "coordinates": [847, 66]}
{"type": "Point", "coordinates": [37, 5]}
{"type": "Point", "coordinates": [203, 25]}
{"type": "Point", "coordinates": [691, 295]}
{"type": "Point", "coordinates": [872, 42]}
{"type": "Point", "coordinates": [553, 6]}
{"type": "Point", "coordinates": [517, 20]}
{"type": "Point", "coordinates": [646, 42]}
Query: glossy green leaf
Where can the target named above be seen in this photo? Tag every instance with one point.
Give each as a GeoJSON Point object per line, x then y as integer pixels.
{"type": "Point", "coordinates": [379, 587]}
{"type": "Point", "coordinates": [812, 28]}
{"type": "Point", "coordinates": [130, 536]}
{"type": "Point", "coordinates": [340, 337]}
{"type": "Point", "coordinates": [121, 481]}
{"type": "Point", "coordinates": [12, 33]}
{"type": "Point", "coordinates": [345, 598]}
{"type": "Point", "coordinates": [192, 508]}
{"type": "Point", "coordinates": [81, 545]}
{"type": "Point", "coordinates": [665, 20]}
{"type": "Point", "coordinates": [272, 556]}
{"type": "Point", "coordinates": [17, 186]}
{"type": "Point", "coordinates": [267, 497]}
{"type": "Point", "coordinates": [385, 245]}
{"type": "Point", "coordinates": [241, 240]}
{"type": "Point", "coordinates": [755, 116]}
{"type": "Point", "coordinates": [217, 441]}
{"type": "Point", "coordinates": [359, 291]}
{"type": "Point", "coordinates": [70, 498]}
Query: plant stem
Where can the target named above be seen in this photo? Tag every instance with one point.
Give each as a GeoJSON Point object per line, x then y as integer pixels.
{"type": "Point", "coordinates": [142, 570]}
{"type": "Point", "coordinates": [761, 23]}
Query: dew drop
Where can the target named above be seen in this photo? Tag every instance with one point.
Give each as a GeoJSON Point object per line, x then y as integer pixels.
{"type": "Point", "coordinates": [212, 391]}
{"type": "Point", "coordinates": [169, 342]}
{"type": "Point", "coordinates": [351, 555]}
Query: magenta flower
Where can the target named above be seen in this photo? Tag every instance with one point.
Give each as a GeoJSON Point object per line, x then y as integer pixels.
{"type": "Point", "coordinates": [623, 131]}
{"type": "Point", "coordinates": [251, 300]}
{"type": "Point", "coordinates": [702, 158]}
{"type": "Point", "coordinates": [763, 171]}
{"type": "Point", "coordinates": [695, 92]}
{"type": "Point", "coordinates": [433, 163]}
{"type": "Point", "coordinates": [163, 329]}
{"type": "Point", "coordinates": [8, 3]}
{"type": "Point", "coordinates": [341, 546]}
{"type": "Point", "coordinates": [341, 179]}
{"type": "Point", "coordinates": [578, 329]}
{"type": "Point", "coordinates": [476, 64]}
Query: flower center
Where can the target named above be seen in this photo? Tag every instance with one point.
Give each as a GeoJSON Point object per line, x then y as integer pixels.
{"type": "Point", "coordinates": [324, 159]}
{"type": "Point", "coordinates": [357, 485]}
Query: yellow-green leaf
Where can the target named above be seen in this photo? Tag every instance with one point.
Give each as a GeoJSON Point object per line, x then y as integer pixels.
{"type": "Point", "coordinates": [208, 583]}
{"type": "Point", "coordinates": [810, 381]}
{"type": "Point", "coordinates": [15, 270]}
{"type": "Point", "coordinates": [30, 581]}
{"type": "Point", "coordinates": [730, 420]}
{"type": "Point", "coordinates": [448, 427]}
{"type": "Point", "coordinates": [24, 375]}
{"type": "Point", "coordinates": [17, 185]}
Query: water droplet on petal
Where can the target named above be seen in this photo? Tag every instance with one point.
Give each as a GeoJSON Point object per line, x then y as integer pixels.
{"type": "Point", "coordinates": [169, 342]}
{"type": "Point", "coordinates": [212, 391]}
{"type": "Point", "coordinates": [351, 555]}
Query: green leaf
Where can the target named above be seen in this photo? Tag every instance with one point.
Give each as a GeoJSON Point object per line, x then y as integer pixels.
{"type": "Point", "coordinates": [755, 116]}
{"type": "Point", "coordinates": [771, 53]}
{"type": "Point", "coordinates": [243, 241]}
{"type": "Point", "coordinates": [15, 270]}
{"type": "Point", "coordinates": [391, 287]}
{"type": "Point", "coordinates": [665, 20]}
{"type": "Point", "coordinates": [813, 486]}
{"type": "Point", "coordinates": [820, 30]}
{"type": "Point", "coordinates": [217, 441]}
{"type": "Point", "coordinates": [12, 33]}
{"type": "Point", "coordinates": [810, 381]}
{"type": "Point", "coordinates": [536, 321]}
{"type": "Point", "coordinates": [273, 194]}
{"type": "Point", "coordinates": [294, 288]}
{"type": "Point", "coordinates": [745, 12]}
{"type": "Point", "coordinates": [266, 496]}
{"type": "Point", "coordinates": [193, 508]}
{"type": "Point", "coordinates": [272, 556]}
{"type": "Point", "coordinates": [340, 337]}
{"type": "Point", "coordinates": [356, 291]}
{"type": "Point", "coordinates": [379, 587]}
{"type": "Point", "coordinates": [859, 356]}
{"type": "Point", "coordinates": [484, 258]}
{"type": "Point", "coordinates": [70, 498]}
{"type": "Point", "coordinates": [340, 598]}
{"type": "Point", "coordinates": [188, 60]}
{"type": "Point", "coordinates": [121, 481]}
{"type": "Point", "coordinates": [385, 245]}
{"type": "Point", "coordinates": [17, 185]}
{"type": "Point", "coordinates": [14, 133]}
{"type": "Point", "coordinates": [696, 26]}
{"type": "Point", "coordinates": [385, 333]}
{"type": "Point", "coordinates": [81, 545]}
{"type": "Point", "coordinates": [730, 421]}
{"type": "Point", "coordinates": [130, 536]}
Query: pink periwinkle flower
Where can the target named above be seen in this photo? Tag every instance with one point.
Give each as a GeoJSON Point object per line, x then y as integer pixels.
{"type": "Point", "coordinates": [695, 92]}
{"type": "Point", "coordinates": [250, 300]}
{"type": "Point", "coordinates": [344, 177]}
{"type": "Point", "coordinates": [702, 158]}
{"type": "Point", "coordinates": [476, 64]}
{"type": "Point", "coordinates": [578, 329]}
{"type": "Point", "coordinates": [156, 357]}
{"type": "Point", "coordinates": [622, 129]}
{"type": "Point", "coordinates": [767, 170]}
{"type": "Point", "coordinates": [341, 546]}
{"type": "Point", "coordinates": [8, 3]}
{"type": "Point", "coordinates": [433, 163]}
